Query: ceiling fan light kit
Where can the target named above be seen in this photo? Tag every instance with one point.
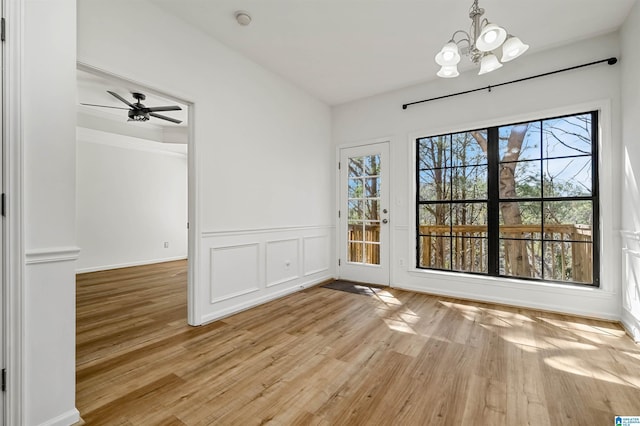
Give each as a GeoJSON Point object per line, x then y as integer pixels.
{"type": "Point", "coordinates": [480, 45]}
{"type": "Point", "coordinates": [139, 112]}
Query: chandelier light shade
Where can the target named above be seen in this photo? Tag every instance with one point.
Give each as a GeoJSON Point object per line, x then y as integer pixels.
{"type": "Point", "coordinates": [512, 48]}
{"type": "Point", "coordinates": [489, 63]}
{"type": "Point", "coordinates": [448, 71]}
{"type": "Point", "coordinates": [480, 44]}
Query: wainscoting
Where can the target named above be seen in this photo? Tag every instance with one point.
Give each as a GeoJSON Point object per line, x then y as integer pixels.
{"type": "Point", "coordinates": [242, 269]}
{"type": "Point", "coordinates": [631, 279]}
{"type": "Point", "coordinates": [49, 336]}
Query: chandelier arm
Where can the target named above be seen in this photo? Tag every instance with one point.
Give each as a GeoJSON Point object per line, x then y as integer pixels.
{"type": "Point", "coordinates": [466, 37]}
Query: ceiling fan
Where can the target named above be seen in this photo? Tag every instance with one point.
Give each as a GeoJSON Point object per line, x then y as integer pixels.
{"type": "Point", "coordinates": [140, 112]}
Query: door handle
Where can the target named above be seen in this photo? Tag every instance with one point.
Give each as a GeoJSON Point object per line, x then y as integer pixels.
{"type": "Point", "coordinates": [385, 220]}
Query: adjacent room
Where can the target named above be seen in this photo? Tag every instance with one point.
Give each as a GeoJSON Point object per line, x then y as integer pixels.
{"type": "Point", "coordinates": [330, 212]}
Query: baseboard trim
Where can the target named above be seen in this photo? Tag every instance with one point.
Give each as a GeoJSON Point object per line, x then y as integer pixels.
{"type": "Point", "coordinates": [205, 319]}
{"type": "Point", "coordinates": [71, 417]}
{"type": "Point", "coordinates": [128, 264]}
{"type": "Point", "coordinates": [631, 325]}
{"type": "Point", "coordinates": [510, 303]}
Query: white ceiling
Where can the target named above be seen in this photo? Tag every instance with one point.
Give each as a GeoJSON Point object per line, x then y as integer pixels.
{"type": "Point", "coordinates": [341, 50]}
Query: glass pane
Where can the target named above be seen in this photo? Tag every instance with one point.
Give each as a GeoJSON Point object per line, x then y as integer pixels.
{"type": "Point", "coordinates": [355, 188]}
{"type": "Point", "coordinates": [568, 220]}
{"type": "Point", "coordinates": [520, 180]}
{"type": "Point", "coordinates": [434, 152]}
{"type": "Point", "coordinates": [435, 252]}
{"type": "Point", "coordinates": [372, 232]}
{"type": "Point", "coordinates": [520, 142]}
{"type": "Point", "coordinates": [563, 137]}
{"type": "Point", "coordinates": [521, 258]}
{"type": "Point", "coordinates": [521, 220]}
{"type": "Point", "coordinates": [566, 261]}
{"type": "Point", "coordinates": [355, 209]}
{"type": "Point", "coordinates": [372, 165]}
{"type": "Point", "coordinates": [372, 187]}
{"type": "Point", "coordinates": [355, 252]}
{"type": "Point", "coordinates": [470, 254]}
{"type": "Point", "coordinates": [435, 219]}
{"type": "Point", "coordinates": [567, 177]}
{"type": "Point", "coordinates": [356, 231]}
{"type": "Point", "coordinates": [372, 210]}
{"type": "Point", "coordinates": [372, 254]}
{"type": "Point", "coordinates": [355, 167]}
{"type": "Point", "coordinates": [469, 183]}
{"type": "Point", "coordinates": [469, 148]}
{"type": "Point", "coordinates": [470, 220]}
{"type": "Point", "coordinates": [435, 184]}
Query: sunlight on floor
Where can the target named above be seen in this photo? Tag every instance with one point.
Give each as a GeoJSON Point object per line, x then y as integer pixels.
{"type": "Point", "coordinates": [576, 365]}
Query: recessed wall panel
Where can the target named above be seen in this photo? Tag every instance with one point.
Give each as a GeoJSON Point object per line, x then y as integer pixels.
{"type": "Point", "coordinates": [235, 271]}
{"type": "Point", "coordinates": [282, 261]}
{"type": "Point", "coordinates": [316, 254]}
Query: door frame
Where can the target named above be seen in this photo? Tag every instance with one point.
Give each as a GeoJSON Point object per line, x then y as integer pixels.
{"type": "Point", "coordinates": [338, 206]}
{"type": "Point", "coordinates": [193, 314]}
{"type": "Point", "coordinates": [13, 257]}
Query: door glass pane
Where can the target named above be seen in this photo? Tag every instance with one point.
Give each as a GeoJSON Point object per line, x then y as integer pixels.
{"type": "Point", "coordinates": [372, 187]}
{"type": "Point", "coordinates": [372, 210]}
{"type": "Point", "coordinates": [355, 188]}
{"type": "Point", "coordinates": [364, 209]}
{"type": "Point", "coordinates": [355, 209]}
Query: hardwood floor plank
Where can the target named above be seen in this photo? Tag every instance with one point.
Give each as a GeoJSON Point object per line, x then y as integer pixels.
{"type": "Point", "coordinates": [327, 357]}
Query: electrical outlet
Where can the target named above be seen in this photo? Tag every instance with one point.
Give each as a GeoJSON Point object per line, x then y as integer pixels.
{"type": "Point", "coordinates": [166, 244]}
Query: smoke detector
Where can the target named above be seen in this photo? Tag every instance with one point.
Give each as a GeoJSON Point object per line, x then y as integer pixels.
{"type": "Point", "coordinates": [243, 17]}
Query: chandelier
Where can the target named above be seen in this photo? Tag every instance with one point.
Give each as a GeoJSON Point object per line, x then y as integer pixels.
{"type": "Point", "coordinates": [480, 45]}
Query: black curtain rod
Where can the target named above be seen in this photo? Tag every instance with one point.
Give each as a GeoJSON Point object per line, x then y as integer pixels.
{"type": "Point", "coordinates": [610, 61]}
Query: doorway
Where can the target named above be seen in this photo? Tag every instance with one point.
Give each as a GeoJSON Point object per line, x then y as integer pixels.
{"type": "Point", "coordinates": [364, 214]}
{"type": "Point", "coordinates": [156, 151]}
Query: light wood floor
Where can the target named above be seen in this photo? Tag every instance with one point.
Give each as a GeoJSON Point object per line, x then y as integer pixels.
{"type": "Point", "coordinates": [326, 357]}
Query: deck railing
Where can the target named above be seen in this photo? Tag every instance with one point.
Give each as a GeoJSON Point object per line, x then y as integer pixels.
{"type": "Point", "coordinates": [566, 254]}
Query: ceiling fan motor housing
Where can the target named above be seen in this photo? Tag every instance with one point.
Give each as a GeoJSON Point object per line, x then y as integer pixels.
{"type": "Point", "coordinates": [138, 115]}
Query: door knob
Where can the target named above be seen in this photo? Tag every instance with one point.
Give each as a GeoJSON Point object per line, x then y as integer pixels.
{"type": "Point", "coordinates": [385, 221]}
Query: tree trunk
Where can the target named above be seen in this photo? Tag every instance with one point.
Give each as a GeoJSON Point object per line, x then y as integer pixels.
{"type": "Point", "coordinates": [517, 259]}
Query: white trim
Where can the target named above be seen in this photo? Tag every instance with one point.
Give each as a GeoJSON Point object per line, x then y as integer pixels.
{"type": "Point", "coordinates": [193, 183]}
{"type": "Point", "coordinates": [69, 418]}
{"type": "Point", "coordinates": [128, 264]}
{"type": "Point", "coordinates": [634, 253]}
{"type": "Point", "coordinates": [224, 233]}
{"type": "Point", "coordinates": [232, 310]}
{"type": "Point", "coordinates": [630, 235]}
{"type": "Point", "coordinates": [52, 254]}
{"type": "Point", "coordinates": [631, 325]}
{"type": "Point", "coordinates": [607, 243]}
{"type": "Point", "coordinates": [14, 300]}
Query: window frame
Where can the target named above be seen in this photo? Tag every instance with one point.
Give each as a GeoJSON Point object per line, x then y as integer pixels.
{"type": "Point", "coordinates": [493, 200]}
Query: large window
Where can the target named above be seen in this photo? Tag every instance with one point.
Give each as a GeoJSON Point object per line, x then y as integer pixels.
{"type": "Point", "coordinates": [519, 200]}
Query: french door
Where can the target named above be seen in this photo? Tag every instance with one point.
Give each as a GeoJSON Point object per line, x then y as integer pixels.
{"type": "Point", "coordinates": [364, 214]}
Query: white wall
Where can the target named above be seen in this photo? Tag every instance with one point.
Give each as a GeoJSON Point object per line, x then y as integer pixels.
{"type": "Point", "coordinates": [131, 199]}
{"type": "Point", "coordinates": [630, 64]}
{"type": "Point", "coordinates": [261, 147]}
{"type": "Point", "coordinates": [383, 117]}
{"type": "Point", "coordinates": [49, 115]}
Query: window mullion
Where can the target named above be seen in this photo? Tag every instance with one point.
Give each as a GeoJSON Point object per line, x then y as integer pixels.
{"type": "Point", "coordinates": [493, 200]}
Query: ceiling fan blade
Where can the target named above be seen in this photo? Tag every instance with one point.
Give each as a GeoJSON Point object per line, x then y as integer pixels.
{"type": "Point", "coordinates": [121, 99]}
{"type": "Point", "coordinates": [163, 108]}
{"type": "Point", "coordinates": [164, 117]}
{"type": "Point", "coordinates": [104, 106]}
